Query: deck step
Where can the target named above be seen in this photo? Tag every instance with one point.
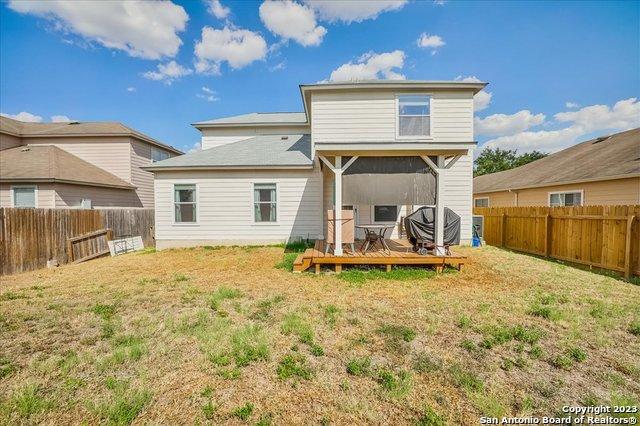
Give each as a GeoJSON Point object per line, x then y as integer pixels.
{"type": "Point", "coordinates": [302, 263]}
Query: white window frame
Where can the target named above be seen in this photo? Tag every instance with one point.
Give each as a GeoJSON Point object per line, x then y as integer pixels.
{"type": "Point", "coordinates": [13, 195]}
{"type": "Point", "coordinates": [153, 148]}
{"type": "Point", "coordinates": [397, 113]}
{"type": "Point", "coordinates": [481, 198]}
{"type": "Point", "coordinates": [570, 191]}
{"type": "Point", "coordinates": [373, 213]}
{"type": "Point", "coordinates": [253, 199]}
{"type": "Point", "coordinates": [173, 203]}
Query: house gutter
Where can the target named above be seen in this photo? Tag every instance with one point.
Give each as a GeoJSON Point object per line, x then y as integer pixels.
{"type": "Point", "coordinates": [216, 168]}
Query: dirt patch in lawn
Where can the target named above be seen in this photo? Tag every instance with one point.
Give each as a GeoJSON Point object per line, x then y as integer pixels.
{"type": "Point", "coordinates": [215, 335]}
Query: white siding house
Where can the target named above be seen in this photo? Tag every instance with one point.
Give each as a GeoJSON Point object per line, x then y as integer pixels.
{"type": "Point", "coordinates": [271, 177]}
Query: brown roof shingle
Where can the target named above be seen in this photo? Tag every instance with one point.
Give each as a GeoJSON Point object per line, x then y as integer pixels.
{"type": "Point", "coordinates": [598, 159]}
{"type": "Point", "coordinates": [48, 163]}
{"type": "Point", "coordinates": [74, 128]}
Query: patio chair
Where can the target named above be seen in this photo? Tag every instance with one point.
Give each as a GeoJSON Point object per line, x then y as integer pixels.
{"type": "Point", "coordinates": [348, 230]}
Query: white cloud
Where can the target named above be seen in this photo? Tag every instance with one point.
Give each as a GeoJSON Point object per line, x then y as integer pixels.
{"type": "Point", "coordinates": [624, 115]}
{"type": "Point", "coordinates": [141, 28]}
{"type": "Point", "coordinates": [352, 11]}
{"type": "Point", "coordinates": [131, 89]}
{"type": "Point", "coordinates": [168, 72]}
{"type": "Point", "coordinates": [432, 42]}
{"type": "Point", "coordinates": [238, 47]}
{"type": "Point", "coordinates": [60, 119]}
{"type": "Point", "coordinates": [571, 105]}
{"type": "Point", "coordinates": [208, 94]}
{"type": "Point", "coordinates": [439, 2]}
{"type": "Point", "coordinates": [292, 21]}
{"type": "Point", "coordinates": [482, 99]}
{"type": "Point", "coordinates": [24, 116]}
{"type": "Point", "coordinates": [371, 66]}
{"type": "Point", "coordinates": [503, 124]}
{"type": "Point", "coordinates": [196, 147]}
{"type": "Point", "coordinates": [217, 9]}
{"type": "Point", "coordinates": [279, 66]}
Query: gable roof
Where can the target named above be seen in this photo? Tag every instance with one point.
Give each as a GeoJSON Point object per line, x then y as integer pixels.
{"type": "Point", "coordinates": [48, 163]}
{"type": "Point", "coordinates": [611, 157]}
{"type": "Point", "coordinates": [257, 118]}
{"type": "Point", "coordinates": [75, 129]}
{"type": "Point", "coordinates": [266, 151]}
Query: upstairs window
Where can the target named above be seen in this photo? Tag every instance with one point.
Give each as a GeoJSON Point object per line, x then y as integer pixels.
{"type": "Point", "coordinates": [158, 155]}
{"type": "Point", "coordinates": [560, 199]}
{"type": "Point", "coordinates": [414, 116]}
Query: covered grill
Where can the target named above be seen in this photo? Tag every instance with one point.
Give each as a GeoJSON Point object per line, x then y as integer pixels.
{"type": "Point", "coordinates": [420, 228]}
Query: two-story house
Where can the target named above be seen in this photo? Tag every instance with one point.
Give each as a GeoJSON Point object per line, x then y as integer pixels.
{"type": "Point", "coordinates": [76, 165]}
{"type": "Point", "coordinates": [379, 148]}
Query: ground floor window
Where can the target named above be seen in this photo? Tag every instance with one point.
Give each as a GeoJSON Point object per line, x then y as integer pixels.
{"type": "Point", "coordinates": [570, 198]}
{"type": "Point", "coordinates": [481, 202]}
{"type": "Point", "coordinates": [23, 196]}
{"type": "Point", "coordinates": [185, 209]}
{"type": "Point", "coordinates": [385, 213]}
{"type": "Point", "coordinates": [265, 205]}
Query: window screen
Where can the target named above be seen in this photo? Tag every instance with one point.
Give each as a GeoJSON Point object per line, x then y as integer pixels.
{"type": "Point", "coordinates": [24, 196]}
{"type": "Point", "coordinates": [385, 213]}
{"type": "Point", "coordinates": [565, 199]}
{"type": "Point", "coordinates": [158, 155]}
{"type": "Point", "coordinates": [184, 203]}
{"type": "Point", "coordinates": [481, 202]}
{"type": "Point", "coordinates": [414, 116]}
{"type": "Point", "coordinates": [264, 202]}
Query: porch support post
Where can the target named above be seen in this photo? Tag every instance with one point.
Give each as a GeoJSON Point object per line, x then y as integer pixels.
{"type": "Point", "coordinates": [440, 201]}
{"type": "Point", "coordinates": [338, 207]}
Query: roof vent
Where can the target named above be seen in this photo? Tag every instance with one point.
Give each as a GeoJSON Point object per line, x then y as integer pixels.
{"type": "Point", "coordinates": [73, 122]}
{"type": "Point", "coordinates": [284, 138]}
{"type": "Point", "coordinates": [25, 149]}
{"type": "Point", "coordinates": [600, 139]}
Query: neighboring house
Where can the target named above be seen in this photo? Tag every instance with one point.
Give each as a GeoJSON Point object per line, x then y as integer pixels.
{"type": "Point", "coordinates": [374, 146]}
{"type": "Point", "coordinates": [601, 171]}
{"type": "Point", "coordinates": [76, 165]}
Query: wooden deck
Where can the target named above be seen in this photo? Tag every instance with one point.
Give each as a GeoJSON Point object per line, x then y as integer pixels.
{"type": "Point", "coordinates": [400, 253]}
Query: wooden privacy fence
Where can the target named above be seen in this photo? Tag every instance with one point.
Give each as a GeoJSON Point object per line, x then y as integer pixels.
{"type": "Point", "coordinates": [605, 237]}
{"type": "Point", "coordinates": [31, 237]}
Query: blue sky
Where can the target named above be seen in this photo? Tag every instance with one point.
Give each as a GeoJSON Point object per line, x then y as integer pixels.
{"type": "Point", "coordinates": [559, 72]}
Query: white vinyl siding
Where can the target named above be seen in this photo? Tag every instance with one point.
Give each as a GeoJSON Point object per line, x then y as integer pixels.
{"type": "Point", "coordinates": [212, 137]}
{"type": "Point", "coordinates": [458, 193]}
{"type": "Point", "coordinates": [226, 209]}
{"type": "Point", "coordinates": [71, 196]}
{"type": "Point", "coordinates": [45, 194]}
{"type": "Point", "coordinates": [141, 156]}
{"type": "Point", "coordinates": [370, 116]}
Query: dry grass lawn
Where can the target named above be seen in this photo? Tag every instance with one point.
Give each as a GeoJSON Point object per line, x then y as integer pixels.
{"type": "Point", "coordinates": [223, 336]}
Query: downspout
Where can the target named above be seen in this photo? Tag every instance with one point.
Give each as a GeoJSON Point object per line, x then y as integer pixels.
{"type": "Point", "coordinates": [515, 196]}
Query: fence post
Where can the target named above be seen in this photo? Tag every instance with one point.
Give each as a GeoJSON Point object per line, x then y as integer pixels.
{"type": "Point", "coordinates": [547, 238]}
{"type": "Point", "coordinates": [503, 230]}
{"type": "Point", "coordinates": [627, 248]}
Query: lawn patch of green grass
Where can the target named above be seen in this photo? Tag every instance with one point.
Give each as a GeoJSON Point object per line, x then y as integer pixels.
{"type": "Point", "coordinates": [496, 335]}
{"type": "Point", "coordinates": [221, 294]}
{"type": "Point", "coordinates": [243, 412]}
{"type": "Point", "coordinates": [466, 379]}
{"type": "Point", "coordinates": [360, 276]}
{"type": "Point", "coordinates": [331, 313]}
{"type": "Point", "coordinates": [634, 327]}
{"type": "Point", "coordinates": [287, 261]}
{"type": "Point", "coordinates": [10, 295]}
{"type": "Point", "coordinates": [178, 278]}
{"type": "Point", "coordinates": [359, 366]}
{"type": "Point", "coordinates": [249, 344]}
{"type": "Point", "coordinates": [264, 308]}
{"type": "Point", "coordinates": [430, 418]}
{"type": "Point", "coordinates": [397, 332]}
{"type": "Point", "coordinates": [6, 367]}
{"type": "Point", "coordinates": [577, 354]}
{"type": "Point", "coordinates": [28, 401]}
{"type": "Point", "coordinates": [293, 365]}
{"type": "Point", "coordinates": [396, 384]}
{"type": "Point", "coordinates": [424, 363]}
{"type": "Point", "coordinates": [296, 325]}
{"type": "Point", "coordinates": [124, 405]}
{"type": "Point", "coordinates": [562, 362]}
{"type": "Point", "coordinates": [105, 312]}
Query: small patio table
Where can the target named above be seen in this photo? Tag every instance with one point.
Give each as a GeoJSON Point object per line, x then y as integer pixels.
{"type": "Point", "coordinates": [373, 233]}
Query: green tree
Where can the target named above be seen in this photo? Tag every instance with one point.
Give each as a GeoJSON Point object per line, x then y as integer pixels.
{"type": "Point", "coordinates": [497, 160]}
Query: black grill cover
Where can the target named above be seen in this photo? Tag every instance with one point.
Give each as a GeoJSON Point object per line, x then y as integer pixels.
{"type": "Point", "coordinates": [421, 224]}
